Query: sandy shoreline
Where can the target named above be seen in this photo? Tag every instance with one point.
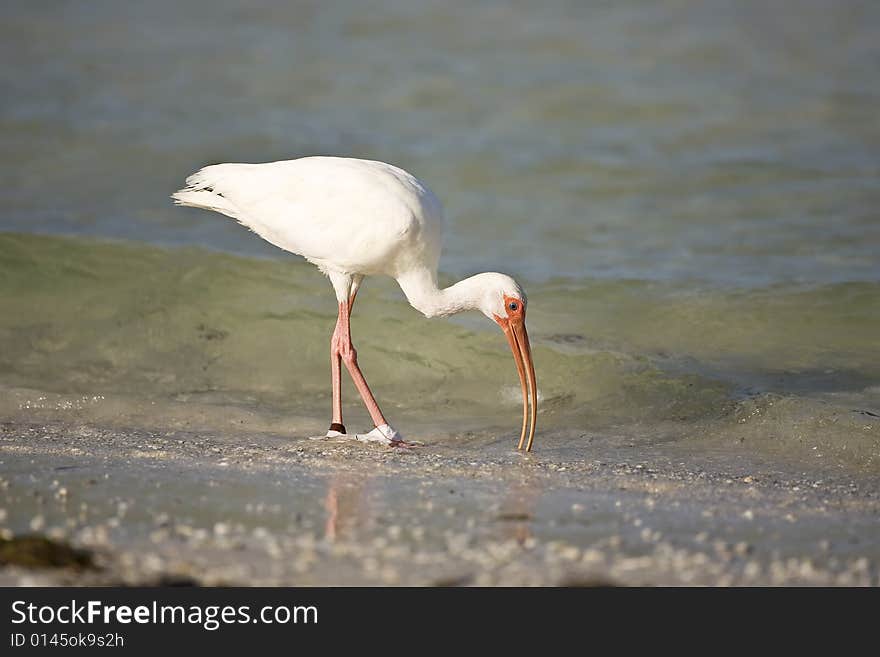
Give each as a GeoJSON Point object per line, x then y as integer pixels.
{"type": "Point", "coordinates": [266, 509]}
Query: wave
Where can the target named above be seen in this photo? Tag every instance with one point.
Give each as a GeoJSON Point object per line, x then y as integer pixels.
{"type": "Point", "coordinates": [85, 318]}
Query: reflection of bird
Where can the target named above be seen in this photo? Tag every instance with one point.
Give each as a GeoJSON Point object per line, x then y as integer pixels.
{"type": "Point", "coordinates": [348, 506]}
{"type": "Point", "coordinates": [353, 218]}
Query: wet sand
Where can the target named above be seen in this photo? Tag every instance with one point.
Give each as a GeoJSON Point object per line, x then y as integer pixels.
{"type": "Point", "coordinates": [258, 508]}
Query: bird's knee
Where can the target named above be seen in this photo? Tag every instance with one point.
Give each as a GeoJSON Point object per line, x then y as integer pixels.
{"type": "Point", "coordinates": [343, 348]}
{"type": "Point", "coordinates": [349, 354]}
{"type": "Point", "coordinates": [338, 344]}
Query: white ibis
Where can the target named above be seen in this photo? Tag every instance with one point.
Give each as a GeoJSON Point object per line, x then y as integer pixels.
{"type": "Point", "coordinates": [353, 218]}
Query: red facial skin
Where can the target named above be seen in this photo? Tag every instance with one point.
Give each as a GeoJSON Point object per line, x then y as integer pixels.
{"type": "Point", "coordinates": [518, 315]}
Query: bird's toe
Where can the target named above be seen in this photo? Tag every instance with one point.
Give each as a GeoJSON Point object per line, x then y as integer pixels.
{"type": "Point", "coordinates": [385, 434]}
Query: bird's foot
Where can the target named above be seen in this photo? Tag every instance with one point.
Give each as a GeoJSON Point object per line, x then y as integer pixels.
{"type": "Point", "coordinates": [384, 434]}
{"type": "Point", "coordinates": [336, 430]}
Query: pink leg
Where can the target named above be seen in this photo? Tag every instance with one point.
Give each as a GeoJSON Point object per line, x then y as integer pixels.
{"type": "Point", "coordinates": [336, 368]}
{"type": "Point", "coordinates": [343, 350]}
{"type": "Point", "coordinates": [336, 380]}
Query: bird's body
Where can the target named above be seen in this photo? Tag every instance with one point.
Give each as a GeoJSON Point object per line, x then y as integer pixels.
{"type": "Point", "coordinates": [344, 215]}
{"type": "Point", "coordinates": [354, 218]}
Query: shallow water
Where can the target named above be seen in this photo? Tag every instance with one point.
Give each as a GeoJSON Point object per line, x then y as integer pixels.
{"type": "Point", "coordinates": [688, 192]}
{"type": "Point", "coordinates": [135, 335]}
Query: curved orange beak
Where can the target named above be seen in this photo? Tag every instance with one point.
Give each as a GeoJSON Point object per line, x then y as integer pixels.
{"type": "Point", "coordinates": [514, 327]}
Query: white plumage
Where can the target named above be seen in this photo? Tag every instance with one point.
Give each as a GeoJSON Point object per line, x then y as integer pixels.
{"type": "Point", "coordinates": [342, 214]}
{"type": "Point", "coordinates": [353, 218]}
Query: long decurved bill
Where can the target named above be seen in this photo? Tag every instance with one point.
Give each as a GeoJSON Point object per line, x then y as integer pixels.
{"type": "Point", "coordinates": [515, 330]}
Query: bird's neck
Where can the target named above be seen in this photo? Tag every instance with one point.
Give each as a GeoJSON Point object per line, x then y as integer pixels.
{"type": "Point", "coordinates": [422, 292]}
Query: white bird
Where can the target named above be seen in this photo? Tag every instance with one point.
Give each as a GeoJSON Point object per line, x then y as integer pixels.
{"type": "Point", "coordinates": [354, 218]}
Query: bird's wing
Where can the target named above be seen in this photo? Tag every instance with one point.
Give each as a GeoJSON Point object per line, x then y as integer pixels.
{"type": "Point", "coordinates": [349, 214]}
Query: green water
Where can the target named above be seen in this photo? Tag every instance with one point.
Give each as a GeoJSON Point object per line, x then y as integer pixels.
{"type": "Point", "coordinates": [125, 327]}
{"type": "Point", "coordinates": [687, 191]}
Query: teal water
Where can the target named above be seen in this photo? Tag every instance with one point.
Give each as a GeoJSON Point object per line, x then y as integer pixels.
{"type": "Point", "coordinates": [688, 191]}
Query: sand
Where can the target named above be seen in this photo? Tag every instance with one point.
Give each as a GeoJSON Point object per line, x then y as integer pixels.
{"type": "Point", "coordinates": [204, 508]}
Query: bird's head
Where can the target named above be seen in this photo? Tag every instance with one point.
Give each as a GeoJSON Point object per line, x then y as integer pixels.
{"type": "Point", "coordinates": [504, 302]}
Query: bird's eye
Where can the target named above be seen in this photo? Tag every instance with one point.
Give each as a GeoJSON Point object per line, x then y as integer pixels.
{"type": "Point", "coordinates": [513, 306]}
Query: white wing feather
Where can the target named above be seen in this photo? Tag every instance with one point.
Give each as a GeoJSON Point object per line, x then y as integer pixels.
{"type": "Point", "coordinates": [346, 215]}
